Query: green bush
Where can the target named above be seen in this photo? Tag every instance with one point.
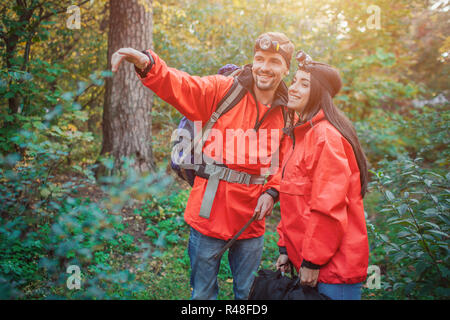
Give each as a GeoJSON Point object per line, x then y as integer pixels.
{"type": "Point", "coordinates": [164, 218]}
{"type": "Point", "coordinates": [44, 228]}
{"type": "Point", "coordinates": [420, 132]}
{"type": "Point", "coordinates": [411, 237]}
{"type": "Point", "coordinates": [408, 219]}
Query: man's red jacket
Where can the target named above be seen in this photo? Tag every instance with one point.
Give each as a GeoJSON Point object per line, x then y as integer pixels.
{"type": "Point", "coordinates": [196, 98]}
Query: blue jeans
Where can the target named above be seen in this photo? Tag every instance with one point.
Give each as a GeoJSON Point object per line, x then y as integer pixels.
{"type": "Point", "coordinates": [244, 257]}
{"type": "Point", "coordinates": [341, 291]}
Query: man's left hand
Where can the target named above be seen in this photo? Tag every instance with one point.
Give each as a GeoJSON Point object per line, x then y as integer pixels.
{"type": "Point", "coordinates": [264, 206]}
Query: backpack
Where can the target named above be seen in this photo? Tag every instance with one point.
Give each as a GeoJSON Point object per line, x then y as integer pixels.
{"type": "Point", "coordinates": [181, 163]}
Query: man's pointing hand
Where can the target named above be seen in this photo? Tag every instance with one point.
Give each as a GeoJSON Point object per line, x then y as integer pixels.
{"type": "Point", "coordinates": [139, 59]}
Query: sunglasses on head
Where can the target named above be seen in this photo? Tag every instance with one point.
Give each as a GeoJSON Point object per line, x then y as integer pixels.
{"type": "Point", "coordinates": [303, 59]}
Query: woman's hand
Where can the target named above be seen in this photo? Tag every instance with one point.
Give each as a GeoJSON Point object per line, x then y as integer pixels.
{"type": "Point", "coordinates": [308, 276]}
{"type": "Point", "coordinates": [139, 59]}
{"type": "Point", "coordinates": [264, 206]}
{"type": "Point", "coordinates": [283, 263]}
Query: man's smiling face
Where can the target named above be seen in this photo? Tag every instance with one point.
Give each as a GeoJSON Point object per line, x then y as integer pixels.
{"type": "Point", "coordinates": [268, 70]}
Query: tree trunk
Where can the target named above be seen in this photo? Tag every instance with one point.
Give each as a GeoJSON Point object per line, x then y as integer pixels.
{"type": "Point", "coordinates": [126, 112]}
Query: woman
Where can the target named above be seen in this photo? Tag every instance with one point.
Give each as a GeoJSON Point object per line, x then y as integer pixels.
{"type": "Point", "coordinates": [324, 178]}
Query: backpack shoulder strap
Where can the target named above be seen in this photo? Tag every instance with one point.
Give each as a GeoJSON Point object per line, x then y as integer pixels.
{"type": "Point", "coordinates": [231, 99]}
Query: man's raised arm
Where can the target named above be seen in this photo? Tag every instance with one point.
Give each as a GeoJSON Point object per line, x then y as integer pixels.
{"type": "Point", "coordinates": [195, 97]}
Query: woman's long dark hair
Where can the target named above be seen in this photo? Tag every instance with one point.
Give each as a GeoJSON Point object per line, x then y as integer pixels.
{"type": "Point", "coordinates": [320, 97]}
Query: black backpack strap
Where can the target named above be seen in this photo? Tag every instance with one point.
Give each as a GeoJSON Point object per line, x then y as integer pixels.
{"type": "Point", "coordinates": [233, 240]}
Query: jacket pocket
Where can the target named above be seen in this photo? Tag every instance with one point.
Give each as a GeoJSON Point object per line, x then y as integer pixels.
{"type": "Point", "coordinates": [299, 187]}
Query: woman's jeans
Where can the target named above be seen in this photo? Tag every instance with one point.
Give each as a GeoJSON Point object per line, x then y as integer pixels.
{"type": "Point", "coordinates": [341, 291]}
{"type": "Point", "coordinates": [244, 257]}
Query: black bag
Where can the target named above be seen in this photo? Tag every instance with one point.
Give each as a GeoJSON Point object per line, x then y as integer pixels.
{"type": "Point", "coordinates": [272, 285]}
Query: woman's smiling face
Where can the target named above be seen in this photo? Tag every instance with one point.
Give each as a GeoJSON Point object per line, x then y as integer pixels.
{"type": "Point", "coordinates": [299, 91]}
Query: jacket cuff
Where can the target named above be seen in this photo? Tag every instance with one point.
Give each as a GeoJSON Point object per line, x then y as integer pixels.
{"type": "Point", "coordinates": [310, 265]}
{"type": "Point", "coordinates": [143, 73]}
{"type": "Point", "coordinates": [282, 250]}
{"type": "Point", "coordinates": [273, 193]}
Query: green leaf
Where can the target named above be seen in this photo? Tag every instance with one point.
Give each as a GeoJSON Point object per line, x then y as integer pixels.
{"type": "Point", "coordinates": [68, 96]}
{"type": "Point", "coordinates": [9, 95]}
{"type": "Point", "coordinates": [433, 225]}
{"type": "Point", "coordinates": [439, 233]}
{"type": "Point", "coordinates": [430, 212]}
{"type": "Point", "coordinates": [403, 234]}
{"type": "Point", "coordinates": [398, 286]}
{"type": "Point", "coordinates": [389, 195]}
{"type": "Point", "coordinates": [45, 192]}
{"type": "Point", "coordinates": [435, 199]}
{"type": "Point", "coordinates": [402, 209]}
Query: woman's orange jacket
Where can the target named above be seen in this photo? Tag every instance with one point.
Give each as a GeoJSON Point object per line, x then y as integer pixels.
{"type": "Point", "coordinates": [196, 98]}
{"type": "Point", "coordinates": [322, 213]}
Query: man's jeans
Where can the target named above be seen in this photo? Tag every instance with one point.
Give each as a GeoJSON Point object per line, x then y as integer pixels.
{"type": "Point", "coordinates": [341, 291]}
{"type": "Point", "coordinates": [244, 257]}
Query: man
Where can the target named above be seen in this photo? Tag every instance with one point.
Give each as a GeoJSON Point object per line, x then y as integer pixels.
{"type": "Point", "coordinates": [260, 114]}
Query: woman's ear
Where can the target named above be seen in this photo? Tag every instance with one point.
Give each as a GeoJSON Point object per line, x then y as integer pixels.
{"type": "Point", "coordinates": [287, 72]}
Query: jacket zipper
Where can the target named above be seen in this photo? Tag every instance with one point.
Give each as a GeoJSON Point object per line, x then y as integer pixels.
{"type": "Point", "coordinates": [293, 146]}
{"type": "Point", "coordinates": [290, 156]}
{"type": "Point", "coordinates": [259, 122]}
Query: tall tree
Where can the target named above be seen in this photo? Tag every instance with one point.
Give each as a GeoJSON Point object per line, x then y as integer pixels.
{"type": "Point", "coordinates": [126, 112]}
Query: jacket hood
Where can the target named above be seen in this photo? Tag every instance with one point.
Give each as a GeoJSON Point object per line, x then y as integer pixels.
{"type": "Point", "coordinates": [302, 125]}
